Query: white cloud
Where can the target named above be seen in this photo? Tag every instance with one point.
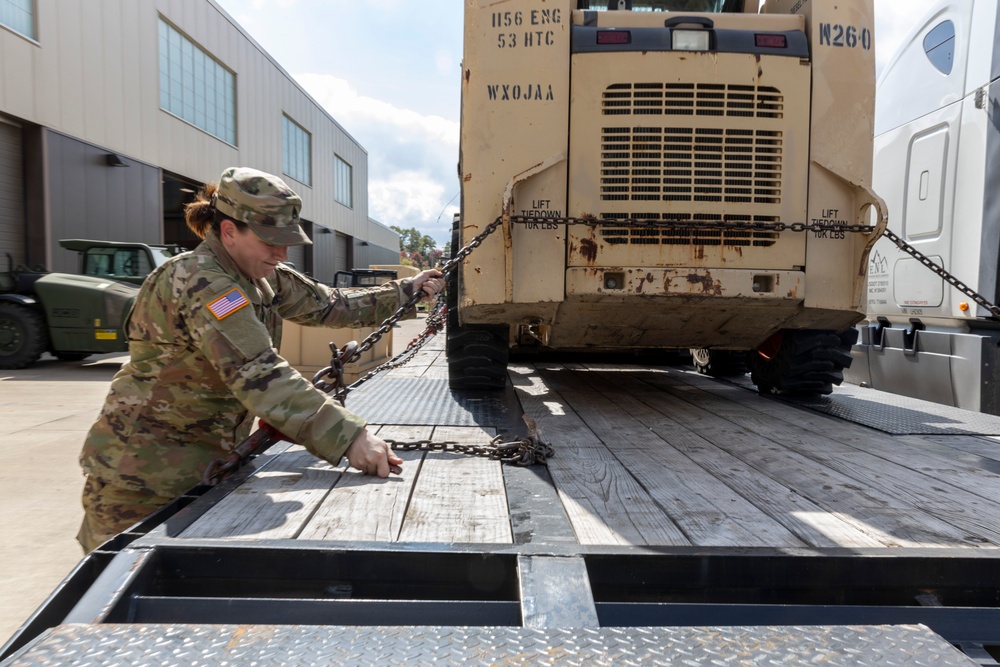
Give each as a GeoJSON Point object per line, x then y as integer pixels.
{"type": "Point", "coordinates": [411, 157]}
{"type": "Point", "coordinates": [282, 4]}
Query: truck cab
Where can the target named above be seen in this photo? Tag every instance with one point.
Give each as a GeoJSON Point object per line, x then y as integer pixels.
{"type": "Point", "coordinates": [937, 163]}
{"type": "Point", "coordinates": [122, 261]}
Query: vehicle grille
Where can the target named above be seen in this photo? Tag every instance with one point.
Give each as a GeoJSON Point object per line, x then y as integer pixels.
{"type": "Point", "coordinates": [687, 236]}
{"type": "Point", "coordinates": [685, 164]}
{"type": "Point", "coordinates": [689, 99]}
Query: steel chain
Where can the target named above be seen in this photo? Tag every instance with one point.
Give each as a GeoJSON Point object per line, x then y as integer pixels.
{"type": "Point", "coordinates": [525, 451]}
{"type": "Point", "coordinates": [521, 450]}
{"type": "Point", "coordinates": [353, 351]}
{"type": "Point", "coordinates": [941, 272]}
{"type": "Point", "coordinates": [350, 353]}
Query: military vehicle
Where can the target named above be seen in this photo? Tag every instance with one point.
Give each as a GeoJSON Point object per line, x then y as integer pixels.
{"type": "Point", "coordinates": [661, 175]}
{"type": "Point", "coordinates": [123, 261]}
{"type": "Point", "coordinates": [362, 277]}
{"type": "Point", "coordinates": [73, 316]}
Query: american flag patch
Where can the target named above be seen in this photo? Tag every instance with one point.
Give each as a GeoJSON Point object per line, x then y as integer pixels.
{"type": "Point", "coordinates": [228, 303]}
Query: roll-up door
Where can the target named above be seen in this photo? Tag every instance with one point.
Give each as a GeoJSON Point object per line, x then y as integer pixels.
{"type": "Point", "coordinates": [340, 253]}
{"type": "Point", "coordinates": [297, 256]}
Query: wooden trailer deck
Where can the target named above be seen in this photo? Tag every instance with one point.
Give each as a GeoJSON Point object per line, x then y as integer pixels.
{"type": "Point", "coordinates": [659, 457]}
{"type": "Point", "coordinates": [681, 518]}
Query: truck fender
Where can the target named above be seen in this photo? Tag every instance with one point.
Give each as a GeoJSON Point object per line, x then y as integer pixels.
{"type": "Point", "coordinates": [21, 299]}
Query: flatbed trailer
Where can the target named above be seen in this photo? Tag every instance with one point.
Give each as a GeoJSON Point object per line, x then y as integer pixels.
{"type": "Point", "coordinates": [682, 520]}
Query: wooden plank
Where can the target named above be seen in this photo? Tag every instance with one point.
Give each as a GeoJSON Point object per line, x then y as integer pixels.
{"type": "Point", "coordinates": [552, 412]}
{"type": "Point", "coordinates": [608, 506]}
{"type": "Point", "coordinates": [869, 508]}
{"type": "Point", "coordinates": [605, 504]}
{"type": "Point", "coordinates": [708, 511]}
{"type": "Point", "coordinates": [365, 508]}
{"type": "Point", "coordinates": [276, 502]}
{"type": "Point", "coordinates": [979, 452]}
{"type": "Point", "coordinates": [939, 483]}
{"type": "Point", "coordinates": [428, 361]}
{"type": "Point", "coordinates": [800, 516]}
{"type": "Point", "coordinates": [931, 516]}
{"type": "Point", "coordinates": [458, 497]}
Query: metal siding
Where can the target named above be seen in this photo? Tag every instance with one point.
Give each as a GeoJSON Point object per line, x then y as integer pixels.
{"type": "Point", "coordinates": [11, 194]}
{"type": "Point", "coordinates": [379, 255]}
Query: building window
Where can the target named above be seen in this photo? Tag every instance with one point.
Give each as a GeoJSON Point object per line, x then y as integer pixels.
{"type": "Point", "coordinates": [18, 15]}
{"type": "Point", "coordinates": [296, 154]}
{"type": "Point", "coordinates": [195, 87]}
{"type": "Point", "coordinates": [343, 181]}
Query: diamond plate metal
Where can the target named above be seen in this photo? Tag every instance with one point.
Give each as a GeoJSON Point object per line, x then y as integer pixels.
{"type": "Point", "coordinates": [892, 413]}
{"type": "Point", "coordinates": [263, 645]}
{"type": "Point", "coordinates": [428, 402]}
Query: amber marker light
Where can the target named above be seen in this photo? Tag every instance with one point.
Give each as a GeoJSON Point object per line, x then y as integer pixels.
{"type": "Point", "coordinates": [964, 306]}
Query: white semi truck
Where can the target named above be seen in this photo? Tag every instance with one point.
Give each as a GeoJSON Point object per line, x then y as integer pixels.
{"type": "Point", "coordinates": [937, 165]}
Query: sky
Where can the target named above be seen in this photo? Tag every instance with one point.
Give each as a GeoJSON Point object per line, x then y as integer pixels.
{"type": "Point", "coordinates": [389, 72]}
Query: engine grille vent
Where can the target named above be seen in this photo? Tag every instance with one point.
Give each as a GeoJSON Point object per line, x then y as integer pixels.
{"type": "Point", "coordinates": [684, 164]}
{"type": "Point", "coordinates": [690, 236]}
{"type": "Point", "coordinates": [690, 99]}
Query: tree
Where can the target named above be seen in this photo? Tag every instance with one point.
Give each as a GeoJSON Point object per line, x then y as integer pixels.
{"type": "Point", "coordinates": [415, 246]}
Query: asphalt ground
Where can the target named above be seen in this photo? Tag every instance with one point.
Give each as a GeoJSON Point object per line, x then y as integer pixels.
{"type": "Point", "coordinates": [45, 413]}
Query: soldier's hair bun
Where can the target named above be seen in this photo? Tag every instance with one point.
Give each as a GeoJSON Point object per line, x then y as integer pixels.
{"type": "Point", "coordinates": [200, 213]}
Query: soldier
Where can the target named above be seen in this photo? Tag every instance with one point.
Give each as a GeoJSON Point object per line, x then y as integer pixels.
{"type": "Point", "coordinates": [203, 339]}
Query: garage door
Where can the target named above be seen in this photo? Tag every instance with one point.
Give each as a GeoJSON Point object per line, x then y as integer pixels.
{"type": "Point", "coordinates": [297, 256]}
{"type": "Point", "coordinates": [11, 194]}
{"type": "Point", "coordinates": [340, 254]}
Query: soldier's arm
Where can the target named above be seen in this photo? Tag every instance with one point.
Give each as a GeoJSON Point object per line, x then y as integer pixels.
{"type": "Point", "coordinates": [304, 301]}
{"type": "Point", "coordinates": [237, 344]}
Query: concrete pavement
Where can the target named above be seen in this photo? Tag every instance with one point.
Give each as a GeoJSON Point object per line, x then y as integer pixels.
{"type": "Point", "coordinates": [45, 412]}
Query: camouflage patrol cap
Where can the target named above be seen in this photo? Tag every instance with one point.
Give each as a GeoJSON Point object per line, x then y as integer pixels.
{"type": "Point", "coordinates": [264, 202]}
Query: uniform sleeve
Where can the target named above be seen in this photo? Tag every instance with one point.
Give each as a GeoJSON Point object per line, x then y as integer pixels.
{"type": "Point", "coordinates": [304, 301]}
{"type": "Point", "coordinates": [236, 343]}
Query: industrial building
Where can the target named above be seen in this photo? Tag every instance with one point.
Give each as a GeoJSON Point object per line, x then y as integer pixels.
{"type": "Point", "coordinates": [114, 112]}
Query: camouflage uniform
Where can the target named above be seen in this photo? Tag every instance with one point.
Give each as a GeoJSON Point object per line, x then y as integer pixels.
{"type": "Point", "coordinates": [203, 343]}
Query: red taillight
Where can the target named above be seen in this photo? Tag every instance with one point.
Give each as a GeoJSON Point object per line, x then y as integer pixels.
{"type": "Point", "coordinates": [614, 37]}
{"type": "Point", "coordinates": [771, 41]}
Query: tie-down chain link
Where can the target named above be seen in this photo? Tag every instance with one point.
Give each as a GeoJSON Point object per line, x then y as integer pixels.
{"type": "Point", "coordinates": [331, 378]}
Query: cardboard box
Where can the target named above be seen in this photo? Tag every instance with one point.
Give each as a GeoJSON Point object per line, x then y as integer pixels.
{"type": "Point", "coordinates": [307, 349]}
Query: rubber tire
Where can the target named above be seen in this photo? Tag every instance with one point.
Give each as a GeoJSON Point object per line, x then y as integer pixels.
{"type": "Point", "coordinates": [808, 363]}
{"type": "Point", "coordinates": [29, 336]}
{"type": "Point", "coordinates": [477, 354]}
{"type": "Point", "coordinates": [719, 363]}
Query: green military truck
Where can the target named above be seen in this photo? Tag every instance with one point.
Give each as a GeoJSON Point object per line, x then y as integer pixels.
{"type": "Point", "coordinates": [122, 261]}
{"type": "Point", "coordinates": [73, 316]}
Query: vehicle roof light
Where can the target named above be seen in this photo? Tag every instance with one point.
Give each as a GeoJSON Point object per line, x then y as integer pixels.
{"type": "Point", "coordinates": [689, 40]}
{"type": "Point", "coordinates": [771, 41]}
{"type": "Point", "coordinates": [614, 37]}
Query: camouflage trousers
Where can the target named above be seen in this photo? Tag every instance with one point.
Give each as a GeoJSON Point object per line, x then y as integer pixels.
{"type": "Point", "coordinates": [109, 510]}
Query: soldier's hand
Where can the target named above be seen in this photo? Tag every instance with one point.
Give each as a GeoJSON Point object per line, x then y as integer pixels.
{"type": "Point", "coordinates": [372, 455]}
{"type": "Point", "coordinates": [430, 281]}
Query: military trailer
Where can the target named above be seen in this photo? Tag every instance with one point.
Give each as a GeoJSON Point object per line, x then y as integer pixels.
{"type": "Point", "coordinates": [661, 175]}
